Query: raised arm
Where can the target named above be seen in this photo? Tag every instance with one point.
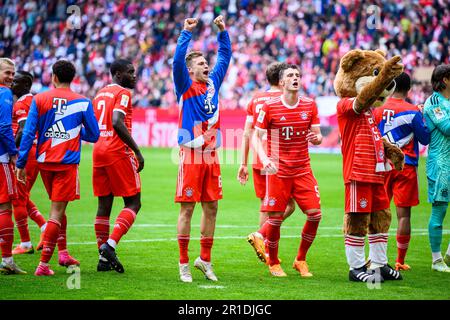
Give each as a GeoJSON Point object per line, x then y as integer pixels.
{"type": "Point", "coordinates": [180, 71]}
{"type": "Point", "coordinates": [224, 52]}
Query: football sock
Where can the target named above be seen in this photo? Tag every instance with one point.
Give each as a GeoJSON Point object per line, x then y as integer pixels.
{"type": "Point", "coordinates": [436, 256]}
{"type": "Point", "coordinates": [123, 223]}
{"type": "Point", "coordinates": [6, 232]}
{"type": "Point", "coordinates": [101, 229]}
{"type": "Point", "coordinates": [273, 237]}
{"type": "Point", "coordinates": [354, 250]}
{"type": "Point", "coordinates": [62, 236]}
{"type": "Point", "coordinates": [402, 247]}
{"type": "Point", "coordinates": [21, 217]}
{"type": "Point", "coordinates": [183, 244]}
{"type": "Point", "coordinates": [34, 214]}
{"type": "Point", "coordinates": [206, 244]}
{"type": "Point", "coordinates": [378, 248]}
{"type": "Point", "coordinates": [50, 238]}
{"type": "Point", "coordinates": [438, 211]}
{"type": "Point", "coordinates": [263, 229]}
{"type": "Point", "coordinates": [308, 234]}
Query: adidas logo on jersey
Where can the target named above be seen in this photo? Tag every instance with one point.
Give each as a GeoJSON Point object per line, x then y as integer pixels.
{"type": "Point", "coordinates": [282, 118]}
{"type": "Point", "coordinates": [57, 131]}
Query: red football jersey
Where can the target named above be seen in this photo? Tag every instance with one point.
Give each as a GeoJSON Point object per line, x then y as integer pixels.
{"type": "Point", "coordinates": [253, 109]}
{"type": "Point", "coordinates": [287, 127]}
{"type": "Point", "coordinates": [358, 146]}
{"type": "Point", "coordinates": [20, 110]}
{"type": "Point", "coordinates": [109, 148]}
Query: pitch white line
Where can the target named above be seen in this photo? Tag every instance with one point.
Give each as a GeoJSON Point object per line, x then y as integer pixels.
{"type": "Point", "coordinates": [223, 226]}
{"type": "Point", "coordinates": [236, 237]}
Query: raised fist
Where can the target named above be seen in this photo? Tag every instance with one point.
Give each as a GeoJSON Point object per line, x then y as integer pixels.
{"type": "Point", "coordinates": [219, 23]}
{"type": "Point", "coordinates": [190, 24]}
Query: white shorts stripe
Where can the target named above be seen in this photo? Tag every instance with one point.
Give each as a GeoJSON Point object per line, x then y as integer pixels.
{"type": "Point", "coordinates": [8, 179]}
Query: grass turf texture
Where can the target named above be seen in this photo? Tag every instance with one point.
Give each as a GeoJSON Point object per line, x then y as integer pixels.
{"type": "Point", "coordinates": [149, 252]}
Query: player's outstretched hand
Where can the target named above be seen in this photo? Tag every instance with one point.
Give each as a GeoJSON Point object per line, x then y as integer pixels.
{"type": "Point", "coordinates": [21, 175]}
{"type": "Point", "coordinates": [220, 23]}
{"type": "Point", "coordinates": [140, 159]}
{"type": "Point", "coordinates": [190, 24]}
{"type": "Point", "coordinates": [242, 174]}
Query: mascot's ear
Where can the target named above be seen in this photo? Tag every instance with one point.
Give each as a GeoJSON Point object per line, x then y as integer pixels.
{"type": "Point", "coordinates": [350, 58]}
{"type": "Point", "coordinates": [379, 51]}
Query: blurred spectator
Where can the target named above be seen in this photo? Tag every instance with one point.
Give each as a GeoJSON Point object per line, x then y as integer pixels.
{"type": "Point", "coordinates": [313, 34]}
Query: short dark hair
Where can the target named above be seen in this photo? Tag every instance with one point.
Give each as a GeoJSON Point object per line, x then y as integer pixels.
{"type": "Point", "coordinates": [287, 66]}
{"type": "Point", "coordinates": [119, 65]}
{"type": "Point", "coordinates": [64, 70]}
{"type": "Point", "coordinates": [191, 55]}
{"type": "Point", "coordinates": [439, 73]}
{"type": "Point", "coordinates": [273, 73]}
{"type": "Point", "coordinates": [402, 83]}
{"type": "Point", "coordinates": [27, 76]}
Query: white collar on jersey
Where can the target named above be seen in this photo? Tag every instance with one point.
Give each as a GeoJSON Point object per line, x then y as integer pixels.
{"type": "Point", "coordinates": [289, 106]}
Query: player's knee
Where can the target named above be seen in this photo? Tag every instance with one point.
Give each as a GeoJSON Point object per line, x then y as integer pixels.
{"type": "Point", "coordinates": [187, 210]}
{"type": "Point", "coordinates": [314, 215]}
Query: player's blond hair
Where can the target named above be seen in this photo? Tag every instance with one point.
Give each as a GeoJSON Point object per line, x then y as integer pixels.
{"type": "Point", "coordinates": [7, 61]}
{"type": "Point", "coordinates": [191, 56]}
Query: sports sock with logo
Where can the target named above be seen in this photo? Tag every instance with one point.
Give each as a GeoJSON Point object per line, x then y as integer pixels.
{"type": "Point", "coordinates": [50, 238]}
{"type": "Point", "coordinates": [62, 236]}
{"type": "Point", "coordinates": [123, 223]}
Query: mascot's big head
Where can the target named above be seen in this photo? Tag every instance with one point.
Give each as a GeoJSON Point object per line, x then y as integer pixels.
{"type": "Point", "coordinates": [357, 69]}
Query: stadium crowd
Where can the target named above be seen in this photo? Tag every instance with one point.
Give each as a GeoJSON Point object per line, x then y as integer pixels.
{"type": "Point", "coordinates": [313, 34]}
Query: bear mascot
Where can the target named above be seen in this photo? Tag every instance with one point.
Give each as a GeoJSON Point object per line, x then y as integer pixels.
{"type": "Point", "coordinates": [364, 81]}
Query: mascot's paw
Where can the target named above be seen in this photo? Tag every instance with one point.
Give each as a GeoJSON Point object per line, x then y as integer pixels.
{"type": "Point", "coordinates": [395, 154]}
{"type": "Point", "coordinates": [392, 68]}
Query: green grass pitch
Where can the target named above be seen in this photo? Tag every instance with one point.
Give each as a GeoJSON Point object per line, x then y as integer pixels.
{"type": "Point", "coordinates": [149, 252]}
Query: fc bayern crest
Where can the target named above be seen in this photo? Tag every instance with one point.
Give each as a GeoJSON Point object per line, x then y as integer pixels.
{"type": "Point", "coordinates": [363, 203]}
{"type": "Point", "coordinates": [304, 115]}
{"type": "Point", "coordinates": [189, 192]}
{"type": "Point", "coordinates": [272, 202]}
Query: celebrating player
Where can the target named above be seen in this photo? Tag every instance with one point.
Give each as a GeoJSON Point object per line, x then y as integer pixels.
{"type": "Point", "coordinates": [290, 122]}
{"type": "Point", "coordinates": [8, 157]}
{"type": "Point", "coordinates": [437, 116]}
{"type": "Point", "coordinates": [23, 206]}
{"type": "Point", "coordinates": [257, 239]}
{"type": "Point", "coordinates": [199, 180]}
{"type": "Point", "coordinates": [117, 163]}
{"type": "Point", "coordinates": [61, 118]}
{"type": "Point", "coordinates": [402, 124]}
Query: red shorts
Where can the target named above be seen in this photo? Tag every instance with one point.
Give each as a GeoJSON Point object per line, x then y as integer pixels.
{"type": "Point", "coordinates": [365, 197]}
{"type": "Point", "coordinates": [259, 182]}
{"type": "Point", "coordinates": [199, 178]}
{"type": "Point", "coordinates": [32, 171]}
{"type": "Point", "coordinates": [303, 189]}
{"type": "Point", "coordinates": [8, 185]}
{"type": "Point", "coordinates": [61, 181]}
{"type": "Point", "coordinates": [119, 179]}
{"type": "Point", "coordinates": [403, 186]}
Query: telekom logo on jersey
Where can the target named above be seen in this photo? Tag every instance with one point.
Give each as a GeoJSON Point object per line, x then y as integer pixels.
{"type": "Point", "coordinates": [287, 132]}
{"type": "Point", "coordinates": [60, 104]}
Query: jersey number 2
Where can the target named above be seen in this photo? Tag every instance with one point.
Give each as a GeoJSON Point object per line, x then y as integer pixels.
{"type": "Point", "coordinates": [101, 106]}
